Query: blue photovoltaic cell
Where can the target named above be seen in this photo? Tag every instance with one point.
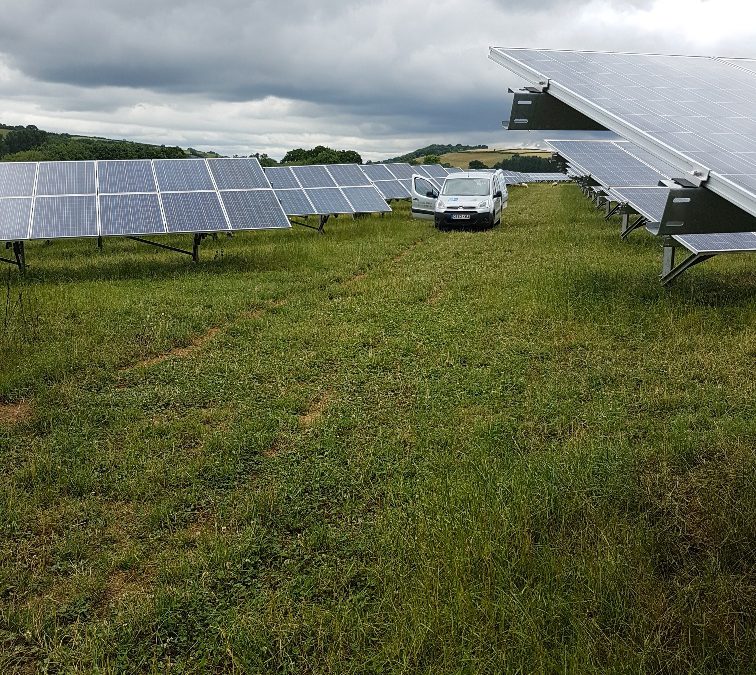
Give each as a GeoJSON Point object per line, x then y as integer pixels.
{"type": "Point", "coordinates": [182, 175]}
{"type": "Point", "coordinates": [366, 200]}
{"type": "Point", "coordinates": [132, 214]}
{"type": "Point", "coordinates": [14, 218]}
{"type": "Point", "coordinates": [648, 201]}
{"type": "Point", "coordinates": [392, 189]}
{"type": "Point", "coordinates": [377, 172]}
{"type": "Point", "coordinates": [295, 203]}
{"type": "Point", "coordinates": [453, 169]}
{"type": "Point", "coordinates": [71, 216]}
{"type": "Point", "coordinates": [244, 173]}
{"type": "Point", "coordinates": [348, 175]}
{"type": "Point", "coordinates": [66, 178]}
{"type": "Point", "coordinates": [282, 177]}
{"type": "Point", "coordinates": [329, 200]}
{"type": "Point", "coordinates": [401, 170]}
{"type": "Point", "coordinates": [193, 211]}
{"type": "Point", "coordinates": [435, 170]}
{"type": "Point", "coordinates": [115, 176]}
{"type": "Point", "coordinates": [254, 210]}
{"type": "Point", "coordinates": [17, 179]}
{"type": "Point", "coordinates": [313, 176]}
{"type": "Point", "coordinates": [722, 242]}
{"type": "Point", "coordinates": [407, 185]}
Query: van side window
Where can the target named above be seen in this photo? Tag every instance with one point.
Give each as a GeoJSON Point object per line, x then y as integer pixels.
{"type": "Point", "coordinates": [423, 187]}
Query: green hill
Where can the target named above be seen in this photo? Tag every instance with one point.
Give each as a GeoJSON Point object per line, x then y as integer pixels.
{"type": "Point", "coordinates": [435, 149]}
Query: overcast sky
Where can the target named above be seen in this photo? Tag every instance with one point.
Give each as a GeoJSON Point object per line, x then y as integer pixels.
{"type": "Point", "coordinates": [379, 76]}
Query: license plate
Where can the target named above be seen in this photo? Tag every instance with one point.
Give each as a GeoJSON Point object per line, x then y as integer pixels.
{"type": "Point", "coordinates": [460, 216]}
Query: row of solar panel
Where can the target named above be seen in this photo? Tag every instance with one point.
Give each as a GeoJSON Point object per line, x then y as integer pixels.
{"type": "Point", "coordinates": [631, 176]}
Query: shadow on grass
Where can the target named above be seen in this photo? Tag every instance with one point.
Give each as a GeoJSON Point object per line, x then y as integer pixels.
{"type": "Point", "coordinates": [630, 285]}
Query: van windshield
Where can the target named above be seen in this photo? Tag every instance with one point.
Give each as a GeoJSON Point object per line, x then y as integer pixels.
{"type": "Point", "coordinates": [467, 187]}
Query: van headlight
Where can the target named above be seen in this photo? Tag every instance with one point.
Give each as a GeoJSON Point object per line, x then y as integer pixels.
{"type": "Point", "coordinates": [440, 204]}
{"type": "Point", "coordinates": [483, 204]}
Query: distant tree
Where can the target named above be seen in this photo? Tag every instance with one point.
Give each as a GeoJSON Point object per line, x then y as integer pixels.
{"type": "Point", "coordinates": [22, 138]}
{"type": "Point", "coordinates": [264, 159]}
{"type": "Point", "coordinates": [529, 164]}
{"type": "Point", "coordinates": [321, 155]}
{"type": "Point", "coordinates": [349, 157]}
{"type": "Point", "coordinates": [414, 161]}
{"type": "Point", "coordinates": [431, 159]}
{"type": "Point", "coordinates": [476, 164]}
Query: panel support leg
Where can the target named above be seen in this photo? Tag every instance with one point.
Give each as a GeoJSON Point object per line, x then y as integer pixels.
{"type": "Point", "coordinates": [194, 253]}
{"type": "Point", "coordinates": [19, 255]}
{"type": "Point", "coordinates": [670, 272]}
{"type": "Point", "coordinates": [628, 227]}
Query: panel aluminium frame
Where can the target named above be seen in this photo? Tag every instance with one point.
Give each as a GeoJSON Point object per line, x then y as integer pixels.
{"type": "Point", "coordinates": [688, 167]}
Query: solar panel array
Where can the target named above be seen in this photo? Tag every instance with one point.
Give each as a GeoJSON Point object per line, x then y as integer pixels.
{"type": "Point", "coordinates": [696, 113]}
{"type": "Point", "coordinates": [690, 118]}
{"type": "Point", "coordinates": [51, 200]}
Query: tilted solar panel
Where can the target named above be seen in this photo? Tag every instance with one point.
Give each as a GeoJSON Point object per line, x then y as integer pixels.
{"type": "Point", "coordinates": [182, 175]}
{"type": "Point", "coordinates": [130, 214]}
{"type": "Point", "coordinates": [238, 173]}
{"type": "Point", "coordinates": [648, 201]}
{"type": "Point", "coordinates": [282, 177]}
{"type": "Point", "coordinates": [193, 211]}
{"type": "Point", "coordinates": [66, 178]}
{"type": "Point", "coordinates": [295, 202]}
{"type": "Point", "coordinates": [120, 176]}
{"type": "Point", "coordinates": [253, 210]}
{"type": "Point", "coordinates": [392, 189]}
{"type": "Point", "coordinates": [722, 242]}
{"type": "Point", "coordinates": [435, 170]}
{"type": "Point", "coordinates": [64, 216]}
{"type": "Point", "coordinates": [366, 200]}
{"type": "Point", "coordinates": [329, 201]}
{"type": "Point", "coordinates": [313, 176]}
{"type": "Point", "coordinates": [696, 113]}
{"type": "Point", "coordinates": [377, 172]}
{"type": "Point", "coordinates": [401, 170]}
{"type": "Point", "coordinates": [17, 179]}
{"type": "Point", "coordinates": [15, 215]}
{"type": "Point", "coordinates": [348, 175]}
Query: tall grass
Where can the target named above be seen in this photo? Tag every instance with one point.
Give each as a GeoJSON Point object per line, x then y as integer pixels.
{"type": "Point", "coordinates": [385, 449]}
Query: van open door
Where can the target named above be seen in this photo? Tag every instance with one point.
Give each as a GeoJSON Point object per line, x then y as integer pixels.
{"type": "Point", "coordinates": [424, 196]}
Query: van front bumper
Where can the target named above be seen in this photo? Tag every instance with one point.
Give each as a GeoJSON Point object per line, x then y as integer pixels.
{"type": "Point", "coordinates": [474, 218]}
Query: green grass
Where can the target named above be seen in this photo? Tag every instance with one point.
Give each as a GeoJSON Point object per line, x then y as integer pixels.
{"type": "Point", "coordinates": [385, 449]}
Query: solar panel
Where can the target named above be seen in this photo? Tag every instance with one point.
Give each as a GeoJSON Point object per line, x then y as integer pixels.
{"type": "Point", "coordinates": [313, 176]}
{"type": "Point", "coordinates": [119, 176]}
{"type": "Point", "coordinates": [648, 201]}
{"type": "Point", "coordinates": [406, 183]}
{"type": "Point", "coordinates": [193, 211]}
{"type": "Point", "coordinates": [366, 200]}
{"type": "Point", "coordinates": [238, 173]}
{"type": "Point", "coordinates": [295, 203]}
{"type": "Point", "coordinates": [607, 163]}
{"type": "Point", "coordinates": [17, 179]}
{"type": "Point", "coordinates": [66, 216]}
{"type": "Point", "coordinates": [435, 170]}
{"type": "Point", "coordinates": [182, 175]}
{"type": "Point", "coordinates": [695, 113]}
{"type": "Point", "coordinates": [377, 172]}
{"type": "Point", "coordinates": [282, 177]}
{"type": "Point", "coordinates": [253, 210]}
{"type": "Point", "coordinates": [392, 189]}
{"type": "Point", "coordinates": [453, 169]}
{"type": "Point", "coordinates": [348, 175]}
{"type": "Point", "coordinates": [722, 242]}
{"type": "Point", "coordinates": [130, 214]}
{"type": "Point", "coordinates": [66, 178]}
{"type": "Point", "coordinates": [422, 171]}
{"type": "Point", "coordinates": [329, 201]}
{"type": "Point", "coordinates": [14, 218]}
{"type": "Point", "coordinates": [401, 170]}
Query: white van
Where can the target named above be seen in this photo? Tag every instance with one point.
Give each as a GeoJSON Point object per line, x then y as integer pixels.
{"type": "Point", "coordinates": [466, 198]}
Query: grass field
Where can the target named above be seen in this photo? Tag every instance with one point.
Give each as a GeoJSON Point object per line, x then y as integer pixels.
{"type": "Point", "coordinates": [382, 450]}
{"type": "Point", "coordinates": [488, 157]}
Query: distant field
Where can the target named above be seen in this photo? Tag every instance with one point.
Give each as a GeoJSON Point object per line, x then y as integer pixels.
{"type": "Point", "coordinates": [488, 157]}
{"type": "Point", "coordinates": [386, 449]}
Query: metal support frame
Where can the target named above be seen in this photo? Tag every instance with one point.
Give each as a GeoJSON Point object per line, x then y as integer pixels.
{"type": "Point", "coordinates": [610, 211]}
{"type": "Point", "coordinates": [194, 253]}
{"type": "Point", "coordinates": [670, 271]}
{"type": "Point", "coordinates": [628, 227]}
{"type": "Point", "coordinates": [19, 255]}
{"type": "Point", "coordinates": [322, 220]}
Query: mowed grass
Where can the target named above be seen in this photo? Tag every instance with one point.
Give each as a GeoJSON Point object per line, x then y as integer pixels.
{"type": "Point", "coordinates": [488, 157]}
{"type": "Point", "coordinates": [382, 450]}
